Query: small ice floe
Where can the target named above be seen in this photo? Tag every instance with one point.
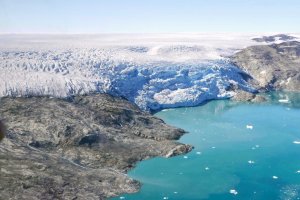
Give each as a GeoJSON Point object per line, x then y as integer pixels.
{"type": "Point", "coordinates": [298, 172]}
{"type": "Point", "coordinates": [257, 146]}
{"type": "Point", "coordinates": [251, 162]}
{"type": "Point", "coordinates": [275, 177]}
{"type": "Point", "coordinates": [198, 153]}
{"type": "Point", "coordinates": [206, 168]}
{"type": "Point", "coordinates": [175, 192]}
{"type": "Point", "coordinates": [283, 101]}
{"type": "Point", "coordinates": [288, 108]}
{"type": "Point", "coordinates": [122, 197]}
{"type": "Point", "coordinates": [166, 198]}
{"type": "Point", "coordinates": [185, 157]}
{"type": "Point", "coordinates": [213, 147]}
{"type": "Point", "coordinates": [233, 191]}
{"type": "Point", "coordinates": [296, 142]}
{"type": "Point", "coordinates": [249, 127]}
{"type": "Point", "coordinates": [168, 109]}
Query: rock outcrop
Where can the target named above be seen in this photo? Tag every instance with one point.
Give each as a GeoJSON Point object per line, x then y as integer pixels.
{"type": "Point", "coordinates": [274, 38]}
{"type": "Point", "coordinates": [78, 148]}
{"type": "Point", "coordinates": [273, 67]}
{"type": "Point", "coordinates": [243, 96]}
{"type": "Point", "coordinates": [2, 130]}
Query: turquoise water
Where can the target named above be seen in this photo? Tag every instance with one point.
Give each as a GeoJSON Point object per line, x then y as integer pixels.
{"type": "Point", "coordinates": [259, 163]}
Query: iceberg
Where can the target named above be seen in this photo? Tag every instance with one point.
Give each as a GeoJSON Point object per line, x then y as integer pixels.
{"type": "Point", "coordinates": [283, 101]}
{"type": "Point", "coordinates": [249, 127]}
{"type": "Point", "coordinates": [232, 191]}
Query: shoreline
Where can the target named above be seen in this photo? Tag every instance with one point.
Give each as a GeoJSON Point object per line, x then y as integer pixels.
{"type": "Point", "coordinates": [171, 146]}
{"type": "Point", "coordinates": [58, 147]}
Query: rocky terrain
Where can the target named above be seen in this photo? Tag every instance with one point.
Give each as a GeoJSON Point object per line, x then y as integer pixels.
{"type": "Point", "coordinates": [275, 38]}
{"type": "Point", "coordinates": [78, 148]}
{"type": "Point", "coordinates": [81, 146]}
{"type": "Point", "coordinates": [154, 71]}
{"type": "Point", "coordinates": [272, 67]}
{"type": "Point", "coordinates": [2, 130]}
{"type": "Point", "coordinates": [243, 96]}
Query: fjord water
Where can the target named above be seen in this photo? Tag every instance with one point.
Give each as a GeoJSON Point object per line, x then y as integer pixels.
{"type": "Point", "coordinates": [242, 151]}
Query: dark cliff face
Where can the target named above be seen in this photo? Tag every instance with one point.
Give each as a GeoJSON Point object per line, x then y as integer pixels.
{"type": "Point", "coordinates": [2, 130]}
{"type": "Point", "coordinates": [273, 67]}
{"type": "Point", "coordinates": [77, 149]}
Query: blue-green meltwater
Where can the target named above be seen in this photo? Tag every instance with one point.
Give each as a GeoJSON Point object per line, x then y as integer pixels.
{"type": "Point", "coordinates": [242, 151]}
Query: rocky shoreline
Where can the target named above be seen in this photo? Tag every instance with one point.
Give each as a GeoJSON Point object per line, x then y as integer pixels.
{"type": "Point", "coordinates": [273, 67]}
{"type": "Point", "coordinates": [81, 147]}
{"type": "Point", "coordinates": [78, 148]}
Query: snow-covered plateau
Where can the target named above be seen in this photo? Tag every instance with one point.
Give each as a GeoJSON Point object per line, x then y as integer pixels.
{"type": "Point", "coordinates": [155, 71]}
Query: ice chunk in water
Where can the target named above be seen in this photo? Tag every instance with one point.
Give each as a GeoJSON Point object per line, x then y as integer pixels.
{"type": "Point", "coordinates": [283, 100]}
{"type": "Point", "coordinates": [249, 127]}
{"type": "Point", "coordinates": [233, 191]}
{"type": "Point", "coordinates": [251, 162]}
{"type": "Point", "coordinates": [296, 142]}
{"type": "Point", "coordinates": [275, 177]}
{"type": "Point", "coordinates": [290, 192]}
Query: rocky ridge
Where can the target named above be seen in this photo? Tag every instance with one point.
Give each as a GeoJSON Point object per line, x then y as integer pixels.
{"type": "Point", "coordinates": [272, 67]}
{"type": "Point", "coordinates": [274, 38]}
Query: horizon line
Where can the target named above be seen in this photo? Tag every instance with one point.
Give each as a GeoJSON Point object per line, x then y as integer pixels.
{"type": "Point", "coordinates": [132, 33]}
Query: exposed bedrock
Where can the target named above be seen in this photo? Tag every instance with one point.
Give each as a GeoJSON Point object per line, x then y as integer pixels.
{"type": "Point", "coordinates": [79, 148]}
{"type": "Point", "coordinates": [273, 67]}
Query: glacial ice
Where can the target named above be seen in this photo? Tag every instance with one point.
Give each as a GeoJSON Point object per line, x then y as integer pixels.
{"type": "Point", "coordinates": [155, 75]}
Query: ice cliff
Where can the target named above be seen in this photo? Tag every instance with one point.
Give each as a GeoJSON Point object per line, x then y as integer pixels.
{"type": "Point", "coordinates": [154, 74]}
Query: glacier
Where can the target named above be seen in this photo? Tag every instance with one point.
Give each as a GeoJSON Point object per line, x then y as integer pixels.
{"type": "Point", "coordinates": [153, 71]}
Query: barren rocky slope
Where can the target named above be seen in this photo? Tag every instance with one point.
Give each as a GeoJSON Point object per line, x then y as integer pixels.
{"type": "Point", "coordinates": [273, 67]}
{"type": "Point", "coordinates": [78, 148]}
